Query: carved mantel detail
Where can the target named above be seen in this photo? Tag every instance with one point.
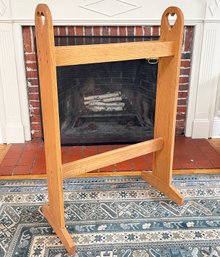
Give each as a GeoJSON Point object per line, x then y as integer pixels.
{"type": "Point", "coordinates": [3, 7]}
{"type": "Point", "coordinates": [109, 8]}
{"type": "Point", "coordinates": [213, 6]}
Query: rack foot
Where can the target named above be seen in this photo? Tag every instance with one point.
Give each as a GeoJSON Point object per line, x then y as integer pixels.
{"type": "Point", "coordinates": [62, 233]}
{"type": "Point", "coordinates": [163, 187]}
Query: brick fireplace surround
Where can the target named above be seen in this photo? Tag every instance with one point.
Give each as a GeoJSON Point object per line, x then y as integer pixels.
{"type": "Point", "coordinates": [76, 35]}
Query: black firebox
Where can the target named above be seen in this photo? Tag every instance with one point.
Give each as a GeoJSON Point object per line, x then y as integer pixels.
{"type": "Point", "coordinates": [107, 103]}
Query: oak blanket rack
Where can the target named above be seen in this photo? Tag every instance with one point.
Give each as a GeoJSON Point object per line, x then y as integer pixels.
{"type": "Point", "coordinates": [168, 50]}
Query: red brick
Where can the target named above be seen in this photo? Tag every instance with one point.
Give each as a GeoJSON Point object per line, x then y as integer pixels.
{"type": "Point", "coordinates": [33, 147]}
{"type": "Point", "coordinates": [124, 166]}
{"type": "Point", "coordinates": [130, 31]}
{"type": "Point", "coordinates": [155, 31]}
{"type": "Point", "coordinates": [183, 87]}
{"type": "Point", "coordinates": [119, 146]}
{"type": "Point", "coordinates": [26, 31]}
{"type": "Point", "coordinates": [182, 94]}
{"type": "Point", "coordinates": [188, 164]}
{"type": "Point", "coordinates": [215, 163]}
{"type": "Point", "coordinates": [15, 151]}
{"type": "Point", "coordinates": [185, 71]}
{"type": "Point", "coordinates": [64, 154]}
{"type": "Point", "coordinates": [113, 31]}
{"type": "Point", "coordinates": [36, 118]}
{"type": "Point", "coordinates": [180, 123]}
{"type": "Point", "coordinates": [88, 31]}
{"type": "Point", "coordinates": [96, 31]}
{"type": "Point", "coordinates": [22, 170]}
{"type": "Point", "coordinates": [179, 131]}
{"type": "Point", "coordinates": [37, 134]}
{"type": "Point", "coordinates": [38, 169]}
{"type": "Point", "coordinates": [30, 57]}
{"type": "Point", "coordinates": [189, 38]}
{"type": "Point", "coordinates": [56, 31]}
{"type": "Point", "coordinates": [34, 103]}
{"type": "Point", "coordinates": [105, 31]}
{"type": "Point", "coordinates": [16, 147]}
{"type": "Point", "coordinates": [212, 156]}
{"type": "Point", "coordinates": [182, 102]}
{"type": "Point", "coordinates": [79, 31]}
{"type": "Point", "coordinates": [75, 153]}
{"type": "Point", "coordinates": [11, 154]}
{"type": "Point", "coordinates": [105, 148]}
{"type": "Point", "coordinates": [32, 66]}
{"type": "Point", "coordinates": [33, 89]}
{"type": "Point", "coordinates": [32, 74]}
{"type": "Point", "coordinates": [27, 158]}
{"type": "Point", "coordinates": [9, 161]}
{"type": "Point", "coordinates": [122, 31]}
{"type": "Point", "coordinates": [204, 164]}
{"type": "Point", "coordinates": [181, 115]}
{"type": "Point", "coordinates": [147, 31]}
{"type": "Point", "coordinates": [33, 82]}
{"type": "Point", "coordinates": [6, 171]}
{"type": "Point", "coordinates": [71, 31]}
{"type": "Point", "coordinates": [41, 155]}
{"type": "Point", "coordinates": [34, 96]}
{"type": "Point", "coordinates": [140, 163]}
{"type": "Point", "coordinates": [62, 30]}
{"type": "Point", "coordinates": [36, 126]}
{"type": "Point", "coordinates": [184, 80]}
{"type": "Point", "coordinates": [149, 158]}
{"type": "Point", "coordinates": [88, 41]}
{"type": "Point", "coordinates": [89, 151]}
{"type": "Point", "coordinates": [79, 41]}
{"type": "Point", "coordinates": [139, 31]}
{"type": "Point", "coordinates": [35, 111]}
{"type": "Point", "coordinates": [63, 41]}
{"type": "Point", "coordinates": [108, 168]}
{"type": "Point", "coordinates": [185, 64]}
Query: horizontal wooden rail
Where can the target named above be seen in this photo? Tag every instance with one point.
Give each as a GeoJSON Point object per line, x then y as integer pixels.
{"type": "Point", "coordinates": [85, 54]}
{"type": "Point", "coordinates": [111, 157]}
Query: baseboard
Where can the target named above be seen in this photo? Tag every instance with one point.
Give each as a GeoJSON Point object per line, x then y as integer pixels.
{"type": "Point", "coordinates": [14, 133]}
{"type": "Point", "coordinates": [216, 128]}
{"type": "Point", "coordinates": [200, 128]}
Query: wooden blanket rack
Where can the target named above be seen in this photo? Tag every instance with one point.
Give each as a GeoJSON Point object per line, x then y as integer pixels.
{"type": "Point", "coordinates": [168, 50]}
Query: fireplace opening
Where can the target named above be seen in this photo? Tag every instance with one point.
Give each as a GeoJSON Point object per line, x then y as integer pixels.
{"type": "Point", "coordinates": [81, 35]}
{"type": "Point", "coordinates": [107, 102]}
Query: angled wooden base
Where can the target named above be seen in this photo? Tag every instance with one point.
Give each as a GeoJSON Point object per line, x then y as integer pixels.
{"type": "Point", "coordinates": [62, 233]}
{"type": "Point", "coordinates": [163, 187]}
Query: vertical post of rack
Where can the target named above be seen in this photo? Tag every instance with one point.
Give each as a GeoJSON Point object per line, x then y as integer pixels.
{"type": "Point", "coordinates": [166, 105]}
{"type": "Point", "coordinates": [54, 212]}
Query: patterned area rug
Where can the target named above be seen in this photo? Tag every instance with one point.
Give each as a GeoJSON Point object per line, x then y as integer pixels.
{"type": "Point", "coordinates": [113, 217]}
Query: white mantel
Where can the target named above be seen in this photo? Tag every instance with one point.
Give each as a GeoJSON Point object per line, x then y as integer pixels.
{"type": "Point", "coordinates": [203, 117]}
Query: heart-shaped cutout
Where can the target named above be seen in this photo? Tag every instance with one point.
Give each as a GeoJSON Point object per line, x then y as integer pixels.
{"type": "Point", "coordinates": [42, 18]}
{"type": "Point", "coordinates": [171, 18]}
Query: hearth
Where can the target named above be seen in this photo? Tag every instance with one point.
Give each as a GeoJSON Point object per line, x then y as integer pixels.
{"type": "Point", "coordinates": [107, 102]}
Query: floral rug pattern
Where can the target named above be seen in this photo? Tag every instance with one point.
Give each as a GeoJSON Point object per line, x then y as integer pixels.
{"type": "Point", "coordinates": [113, 217]}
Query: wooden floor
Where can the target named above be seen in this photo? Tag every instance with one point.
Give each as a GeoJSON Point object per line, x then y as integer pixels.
{"type": "Point", "coordinates": [215, 143]}
{"type": "Point", "coordinates": [3, 151]}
